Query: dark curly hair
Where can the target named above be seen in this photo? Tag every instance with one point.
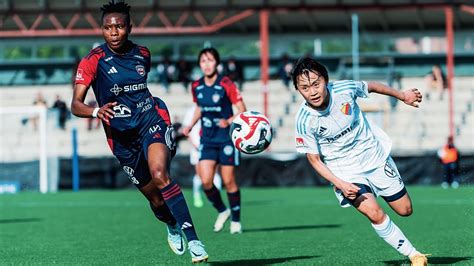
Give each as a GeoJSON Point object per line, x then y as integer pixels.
{"type": "Point", "coordinates": [116, 6]}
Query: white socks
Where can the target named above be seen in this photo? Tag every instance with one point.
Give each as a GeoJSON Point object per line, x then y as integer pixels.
{"type": "Point", "coordinates": [196, 184]}
{"type": "Point", "coordinates": [389, 232]}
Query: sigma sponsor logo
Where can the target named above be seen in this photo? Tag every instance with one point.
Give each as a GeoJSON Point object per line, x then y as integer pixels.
{"type": "Point", "coordinates": [122, 111]}
{"type": "Point", "coordinates": [138, 56]}
{"type": "Point", "coordinates": [127, 88]}
{"type": "Point", "coordinates": [140, 70]}
{"type": "Point", "coordinates": [108, 58]}
{"type": "Point", "coordinates": [344, 132]}
{"type": "Point", "coordinates": [116, 90]}
{"type": "Point", "coordinates": [130, 172]}
{"type": "Point", "coordinates": [153, 129]}
{"type": "Point", "coordinates": [211, 109]}
{"type": "Point", "coordinates": [134, 87]}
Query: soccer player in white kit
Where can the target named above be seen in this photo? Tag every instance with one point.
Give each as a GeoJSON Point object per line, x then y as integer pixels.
{"type": "Point", "coordinates": [351, 153]}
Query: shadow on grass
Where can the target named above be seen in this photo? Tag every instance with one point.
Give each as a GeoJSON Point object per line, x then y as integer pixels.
{"type": "Point", "coordinates": [19, 220]}
{"type": "Point", "coordinates": [261, 261]}
{"type": "Point", "coordinates": [295, 227]}
{"type": "Point", "coordinates": [431, 260]}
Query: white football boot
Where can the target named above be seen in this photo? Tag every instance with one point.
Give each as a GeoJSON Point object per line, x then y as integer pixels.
{"type": "Point", "coordinates": [221, 219]}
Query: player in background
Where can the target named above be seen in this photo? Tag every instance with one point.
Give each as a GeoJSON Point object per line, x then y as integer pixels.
{"type": "Point", "coordinates": [137, 125]}
{"type": "Point", "coordinates": [214, 96]}
{"type": "Point", "coordinates": [351, 153]}
{"type": "Point", "coordinates": [194, 138]}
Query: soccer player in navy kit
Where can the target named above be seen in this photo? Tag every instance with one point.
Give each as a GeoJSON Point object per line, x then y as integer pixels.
{"type": "Point", "coordinates": [215, 95]}
{"type": "Point", "coordinates": [137, 125]}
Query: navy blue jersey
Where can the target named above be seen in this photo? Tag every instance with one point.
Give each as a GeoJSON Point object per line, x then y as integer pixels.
{"type": "Point", "coordinates": [216, 103]}
{"type": "Point", "coordinates": [121, 79]}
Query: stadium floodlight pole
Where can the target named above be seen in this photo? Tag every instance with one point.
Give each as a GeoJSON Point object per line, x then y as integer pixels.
{"type": "Point", "coordinates": [448, 11]}
{"type": "Point", "coordinates": [355, 46]}
{"type": "Point", "coordinates": [264, 57]}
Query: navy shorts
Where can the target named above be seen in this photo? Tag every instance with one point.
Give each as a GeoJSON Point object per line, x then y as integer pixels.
{"type": "Point", "coordinates": [223, 154]}
{"type": "Point", "coordinates": [131, 146]}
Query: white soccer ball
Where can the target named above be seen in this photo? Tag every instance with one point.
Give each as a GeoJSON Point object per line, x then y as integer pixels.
{"type": "Point", "coordinates": [251, 132]}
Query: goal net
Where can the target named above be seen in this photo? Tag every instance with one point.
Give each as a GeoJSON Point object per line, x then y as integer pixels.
{"type": "Point", "coordinates": [28, 158]}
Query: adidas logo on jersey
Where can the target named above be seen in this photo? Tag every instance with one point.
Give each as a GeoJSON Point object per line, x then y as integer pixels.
{"type": "Point", "coordinates": [321, 130]}
{"type": "Point", "coordinates": [186, 225]}
{"type": "Point", "coordinates": [112, 70]}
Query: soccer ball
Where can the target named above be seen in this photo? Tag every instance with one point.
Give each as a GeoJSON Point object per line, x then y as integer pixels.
{"type": "Point", "coordinates": [251, 132]}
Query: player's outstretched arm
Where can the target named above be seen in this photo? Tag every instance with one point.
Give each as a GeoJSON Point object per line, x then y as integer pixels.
{"type": "Point", "coordinates": [80, 109]}
{"type": "Point", "coordinates": [348, 189]}
{"type": "Point", "coordinates": [410, 97]}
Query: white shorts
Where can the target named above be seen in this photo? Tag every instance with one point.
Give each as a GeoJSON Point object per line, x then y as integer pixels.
{"type": "Point", "coordinates": [194, 155]}
{"type": "Point", "coordinates": [384, 181]}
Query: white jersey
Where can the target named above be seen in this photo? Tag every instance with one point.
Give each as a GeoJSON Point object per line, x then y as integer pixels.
{"type": "Point", "coordinates": [341, 134]}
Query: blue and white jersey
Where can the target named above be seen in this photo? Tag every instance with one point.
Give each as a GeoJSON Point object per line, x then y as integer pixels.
{"type": "Point", "coordinates": [341, 134]}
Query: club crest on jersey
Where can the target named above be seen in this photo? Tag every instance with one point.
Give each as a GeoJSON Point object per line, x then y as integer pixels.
{"type": "Point", "coordinates": [140, 70]}
{"type": "Point", "coordinates": [216, 97]}
{"type": "Point", "coordinates": [346, 109]}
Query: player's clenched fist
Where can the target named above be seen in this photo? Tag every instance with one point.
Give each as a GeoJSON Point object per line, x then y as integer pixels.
{"type": "Point", "coordinates": [349, 190]}
{"type": "Point", "coordinates": [412, 97]}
